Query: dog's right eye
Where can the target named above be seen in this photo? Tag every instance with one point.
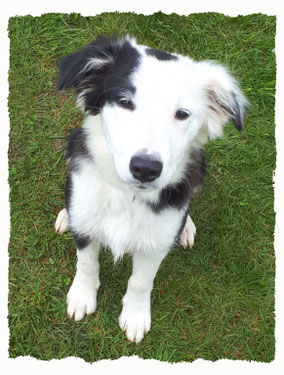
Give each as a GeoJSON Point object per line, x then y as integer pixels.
{"type": "Point", "coordinates": [126, 103]}
{"type": "Point", "coordinates": [182, 114]}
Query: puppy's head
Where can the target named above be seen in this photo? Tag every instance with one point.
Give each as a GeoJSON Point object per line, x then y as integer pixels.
{"type": "Point", "coordinates": [154, 107]}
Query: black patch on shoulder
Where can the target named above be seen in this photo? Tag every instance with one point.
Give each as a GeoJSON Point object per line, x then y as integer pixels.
{"type": "Point", "coordinates": [68, 191]}
{"type": "Point", "coordinates": [160, 54]}
{"type": "Point", "coordinates": [80, 240]}
{"type": "Point", "coordinates": [76, 149]}
{"type": "Point", "coordinates": [181, 226]}
{"type": "Point", "coordinates": [76, 145]}
{"type": "Point", "coordinates": [175, 196]}
{"type": "Point", "coordinates": [178, 195]}
{"type": "Point", "coordinates": [105, 82]}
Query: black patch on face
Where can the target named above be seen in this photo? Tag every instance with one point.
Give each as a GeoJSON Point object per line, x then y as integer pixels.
{"type": "Point", "coordinates": [108, 81]}
{"type": "Point", "coordinates": [160, 54]}
{"type": "Point", "coordinates": [178, 195]}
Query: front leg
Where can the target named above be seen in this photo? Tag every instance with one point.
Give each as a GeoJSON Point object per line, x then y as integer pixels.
{"type": "Point", "coordinates": [82, 296]}
{"type": "Point", "coordinates": [135, 318]}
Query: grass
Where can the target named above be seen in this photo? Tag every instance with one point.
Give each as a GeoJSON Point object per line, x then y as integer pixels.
{"type": "Point", "coordinates": [214, 301]}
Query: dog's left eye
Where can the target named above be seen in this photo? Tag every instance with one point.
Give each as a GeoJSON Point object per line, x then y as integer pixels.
{"type": "Point", "coordinates": [182, 114]}
{"type": "Point", "coordinates": [126, 103]}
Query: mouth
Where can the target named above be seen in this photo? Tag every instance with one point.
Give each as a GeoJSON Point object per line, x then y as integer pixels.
{"type": "Point", "coordinates": [144, 186]}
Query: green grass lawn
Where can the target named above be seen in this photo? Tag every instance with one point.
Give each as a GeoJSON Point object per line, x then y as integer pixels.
{"type": "Point", "coordinates": [214, 301]}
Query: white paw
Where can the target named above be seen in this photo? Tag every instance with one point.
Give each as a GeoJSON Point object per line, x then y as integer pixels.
{"type": "Point", "coordinates": [135, 322]}
{"type": "Point", "coordinates": [188, 234]}
{"type": "Point", "coordinates": [81, 300]}
{"type": "Point", "coordinates": [62, 222]}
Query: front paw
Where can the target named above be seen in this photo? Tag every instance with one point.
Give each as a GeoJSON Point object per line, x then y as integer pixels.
{"type": "Point", "coordinates": [81, 300]}
{"type": "Point", "coordinates": [135, 321]}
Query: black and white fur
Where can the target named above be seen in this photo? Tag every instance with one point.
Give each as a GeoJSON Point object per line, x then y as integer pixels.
{"type": "Point", "coordinates": [136, 161]}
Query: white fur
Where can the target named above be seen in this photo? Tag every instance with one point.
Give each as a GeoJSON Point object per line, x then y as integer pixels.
{"type": "Point", "coordinates": [105, 208]}
{"type": "Point", "coordinates": [152, 125]}
{"type": "Point", "coordinates": [82, 296]}
{"type": "Point", "coordinates": [186, 238]}
{"type": "Point", "coordinates": [107, 204]}
{"type": "Point", "coordinates": [62, 222]}
{"type": "Point", "coordinates": [135, 318]}
{"type": "Point", "coordinates": [117, 216]}
{"type": "Point", "coordinates": [188, 233]}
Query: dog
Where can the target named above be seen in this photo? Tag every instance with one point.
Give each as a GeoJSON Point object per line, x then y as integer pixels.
{"type": "Point", "coordinates": [137, 161]}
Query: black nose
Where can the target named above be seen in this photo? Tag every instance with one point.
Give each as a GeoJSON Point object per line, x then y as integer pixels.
{"type": "Point", "coordinates": [145, 170]}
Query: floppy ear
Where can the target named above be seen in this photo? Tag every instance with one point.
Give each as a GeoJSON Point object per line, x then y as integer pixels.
{"type": "Point", "coordinates": [224, 99]}
{"type": "Point", "coordinates": [94, 72]}
{"type": "Point", "coordinates": [75, 68]}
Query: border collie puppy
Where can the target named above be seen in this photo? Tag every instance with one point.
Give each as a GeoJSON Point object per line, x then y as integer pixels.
{"type": "Point", "coordinates": [137, 160]}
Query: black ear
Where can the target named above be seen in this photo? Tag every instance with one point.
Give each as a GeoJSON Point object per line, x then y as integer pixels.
{"type": "Point", "coordinates": [236, 110]}
{"type": "Point", "coordinates": [233, 104]}
{"type": "Point", "coordinates": [75, 67]}
{"type": "Point", "coordinates": [69, 69]}
{"type": "Point", "coordinates": [100, 72]}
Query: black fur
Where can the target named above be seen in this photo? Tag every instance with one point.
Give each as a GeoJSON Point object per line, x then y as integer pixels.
{"type": "Point", "coordinates": [236, 114]}
{"type": "Point", "coordinates": [108, 80]}
{"type": "Point", "coordinates": [80, 241]}
{"type": "Point", "coordinates": [76, 149]}
{"type": "Point", "coordinates": [160, 55]}
{"type": "Point", "coordinates": [68, 191]}
{"type": "Point", "coordinates": [178, 195]}
{"type": "Point", "coordinates": [181, 227]}
{"type": "Point", "coordinates": [105, 83]}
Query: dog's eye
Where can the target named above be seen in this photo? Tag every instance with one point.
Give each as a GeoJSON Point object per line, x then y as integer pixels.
{"type": "Point", "coordinates": [126, 103]}
{"type": "Point", "coordinates": [182, 114]}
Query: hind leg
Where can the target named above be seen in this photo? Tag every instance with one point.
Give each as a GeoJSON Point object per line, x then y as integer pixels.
{"type": "Point", "coordinates": [188, 233]}
{"type": "Point", "coordinates": [62, 222]}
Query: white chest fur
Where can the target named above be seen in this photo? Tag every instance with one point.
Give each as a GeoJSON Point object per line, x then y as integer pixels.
{"type": "Point", "coordinates": [117, 218]}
